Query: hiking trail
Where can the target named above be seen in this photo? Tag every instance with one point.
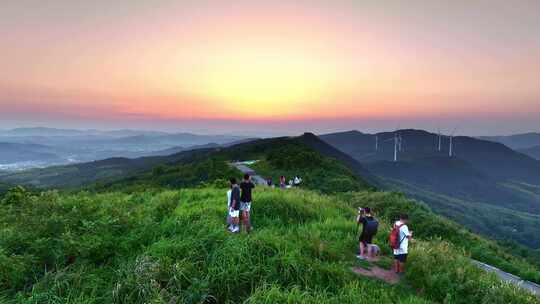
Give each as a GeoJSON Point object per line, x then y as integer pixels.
{"type": "Point", "coordinates": [243, 167]}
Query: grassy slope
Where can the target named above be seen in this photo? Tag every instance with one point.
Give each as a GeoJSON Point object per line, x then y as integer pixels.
{"type": "Point", "coordinates": [496, 222]}
{"type": "Point", "coordinates": [318, 173]}
{"type": "Point", "coordinates": [171, 246]}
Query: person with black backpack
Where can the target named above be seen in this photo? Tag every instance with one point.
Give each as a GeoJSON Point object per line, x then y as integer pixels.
{"type": "Point", "coordinates": [369, 229]}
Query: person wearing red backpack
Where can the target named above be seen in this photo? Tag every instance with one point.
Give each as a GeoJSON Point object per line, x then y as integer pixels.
{"type": "Point", "coordinates": [399, 241]}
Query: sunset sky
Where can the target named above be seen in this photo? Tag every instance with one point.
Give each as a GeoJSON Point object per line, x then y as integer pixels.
{"type": "Point", "coordinates": [270, 67]}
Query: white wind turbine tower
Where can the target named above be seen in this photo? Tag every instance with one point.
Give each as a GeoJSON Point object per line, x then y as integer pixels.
{"type": "Point", "coordinates": [395, 139]}
{"type": "Point", "coordinates": [376, 143]}
{"type": "Point", "coordinates": [451, 145]}
{"type": "Point", "coordinates": [395, 146]}
{"type": "Point", "coordinates": [439, 138]}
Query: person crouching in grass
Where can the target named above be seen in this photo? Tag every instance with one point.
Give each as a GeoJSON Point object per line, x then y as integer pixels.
{"type": "Point", "coordinates": [402, 248]}
{"type": "Point", "coordinates": [235, 206]}
{"type": "Point", "coordinates": [245, 198]}
{"type": "Point", "coordinates": [369, 228]}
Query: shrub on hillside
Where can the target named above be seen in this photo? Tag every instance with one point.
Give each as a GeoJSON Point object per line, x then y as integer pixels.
{"type": "Point", "coordinates": [15, 196]}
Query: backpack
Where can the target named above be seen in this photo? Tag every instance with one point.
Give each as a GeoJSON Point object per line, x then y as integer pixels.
{"type": "Point", "coordinates": [371, 226]}
{"type": "Point", "coordinates": [393, 238]}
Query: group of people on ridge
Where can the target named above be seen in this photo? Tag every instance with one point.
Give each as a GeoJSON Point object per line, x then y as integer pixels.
{"type": "Point", "coordinates": [239, 200]}
{"type": "Point", "coordinates": [283, 182]}
{"type": "Point", "coordinates": [398, 239]}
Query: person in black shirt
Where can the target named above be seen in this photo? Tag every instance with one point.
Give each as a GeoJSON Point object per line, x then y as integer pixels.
{"type": "Point", "coordinates": [246, 185]}
{"type": "Point", "coordinates": [235, 206]}
{"type": "Point", "coordinates": [369, 229]}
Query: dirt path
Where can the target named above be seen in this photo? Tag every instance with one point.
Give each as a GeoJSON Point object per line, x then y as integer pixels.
{"type": "Point", "coordinates": [257, 179]}
{"type": "Point", "coordinates": [389, 276]}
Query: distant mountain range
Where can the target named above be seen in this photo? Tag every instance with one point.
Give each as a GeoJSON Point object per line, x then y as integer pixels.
{"type": "Point", "coordinates": [48, 132]}
{"type": "Point", "coordinates": [533, 152]}
{"type": "Point", "coordinates": [481, 182]}
{"type": "Point", "coordinates": [493, 159]}
{"type": "Point", "coordinates": [25, 148]}
{"type": "Point", "coordinates": [517, 141]}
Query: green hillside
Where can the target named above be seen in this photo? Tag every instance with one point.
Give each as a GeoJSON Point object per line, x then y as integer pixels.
{"type": "Point", "coordinates": [503, 224]}
{"type": "Point", "coordinates": [171, 247]}
{"type": "Point", "coordinates": [485, 186]}
{"type": "Point", "coordinates": [136, 238]}
{"type": "Point", "coordinates": [278, 156]}
{"type": "Point", "coordinates": [305, 154]}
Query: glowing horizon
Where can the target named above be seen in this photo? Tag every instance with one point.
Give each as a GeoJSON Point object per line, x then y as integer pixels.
{"type": "Point", "coordinates": [271, 63]}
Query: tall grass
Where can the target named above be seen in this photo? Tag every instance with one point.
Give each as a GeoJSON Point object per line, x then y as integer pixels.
{"type": "Point", "coordinates": [172, 247]}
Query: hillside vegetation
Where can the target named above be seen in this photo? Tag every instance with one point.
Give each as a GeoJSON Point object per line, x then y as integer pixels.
{"type": "Point", "coordinates": [169, 246]}
{"type": "Point", "coordinates": [484, 185]}
{"type": "Point", "coordinates": [277, 156]}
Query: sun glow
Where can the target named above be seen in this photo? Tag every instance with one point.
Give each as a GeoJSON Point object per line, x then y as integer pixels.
{"type": "Point", "coordinates": [264, 83]}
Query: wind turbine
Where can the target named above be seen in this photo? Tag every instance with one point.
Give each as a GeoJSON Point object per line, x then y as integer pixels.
{"type": "Point", "coordinates": [376, 143]}
{"type": "Point", "coordinates": [451, 147]}
{"type": "Point", "coordinates": [439, 137]}
{"type": "Point", "coordinates": [394, 138]}
{"type": "Point", "coordinates": [395, 146]}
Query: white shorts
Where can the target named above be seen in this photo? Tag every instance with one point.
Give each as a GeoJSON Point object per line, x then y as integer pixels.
{"type": "Point", "coordinates": [245, 206]}
{"type": "Point", "coordinates": [234, 213]}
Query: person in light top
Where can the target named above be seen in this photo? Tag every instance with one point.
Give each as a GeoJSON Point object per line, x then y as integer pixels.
{"type": "Point", "coordinates": [234, 210]}
{"type": "Point", "coordinates": [229, 218]}
{"type": "Point", "coordinates": [297, 181]}
{"type": "Point", "coordinates": [400, 254]}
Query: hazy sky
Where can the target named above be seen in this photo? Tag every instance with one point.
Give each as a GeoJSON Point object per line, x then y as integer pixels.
{"type": "Point", "coordinates": [271, 66]}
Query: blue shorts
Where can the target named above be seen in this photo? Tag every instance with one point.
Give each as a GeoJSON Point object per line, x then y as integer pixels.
{"type": "Point", "coordinates": [401, 257]}
{"type": "Point", "coordinates": [245, 206]}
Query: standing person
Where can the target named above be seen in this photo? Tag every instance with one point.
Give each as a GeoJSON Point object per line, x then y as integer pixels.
{"type": "Point", "coordinates": [369, 228]}
{"type": "Point", "coordinates": [235, 206]}
{"type": "Point", "coordinates": [229, 218]}
{"type": "Point", "coordinates": [269, 182]}
{"type": "Point", "coordinates": [402, 235]}
{"type": "Point", "coordinates": [297, 181]}
{"type": "Point", "coordinates": [245, 198]}
{"type": "Point", "coordinates": [282, 182]}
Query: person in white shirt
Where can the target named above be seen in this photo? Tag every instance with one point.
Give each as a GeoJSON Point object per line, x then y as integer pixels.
{"type": "Point", "coordinates": [229, 219]}
{"type": "Point", "coordinates": [400, 254]}
{"type": "Point", "coordinates": [297, 181]}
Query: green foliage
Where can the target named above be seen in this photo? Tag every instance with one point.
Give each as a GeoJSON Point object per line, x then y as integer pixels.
{"type": "Point", "coordinates": [209, 172]}
{"type": "Point", "coordinates": [294, 157]}
{"type": "Point", "coordinates": [15, 196]}
{"type": "Point", "coordinates": [172, 247]}
{"type": "Point", "coordinates": [445, 275]}
{"type": "Point", "coordinates": [427, 225]}
{"type": "Point", "coordinates": [503, 224]}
